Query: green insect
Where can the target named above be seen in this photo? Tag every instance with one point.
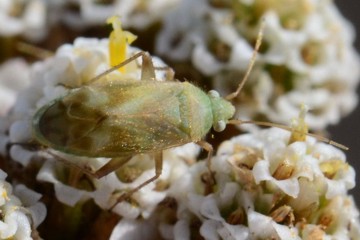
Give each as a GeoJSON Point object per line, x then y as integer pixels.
{"type": "Point", "coordinates": [119, 119]}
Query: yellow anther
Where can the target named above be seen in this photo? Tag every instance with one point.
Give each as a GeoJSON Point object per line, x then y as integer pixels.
{"type": "Point", "coordinates": [118, 42]}
{"type": "Point", "coordinates": [299, 126]}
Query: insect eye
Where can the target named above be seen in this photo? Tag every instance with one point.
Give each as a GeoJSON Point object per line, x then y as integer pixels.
{"type": "Point", "coordinates": [219, 126]}
{"type": "Point", "coordinates": [213, 94]}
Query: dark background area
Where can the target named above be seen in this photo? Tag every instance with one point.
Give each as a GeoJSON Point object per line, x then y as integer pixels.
{"type": "Point", "coordinates": [347, 131]}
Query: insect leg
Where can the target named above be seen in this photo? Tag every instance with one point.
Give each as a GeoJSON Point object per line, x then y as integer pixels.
{"type": "Point", "coordinates": [208, 147]}
{"type": "Point", "coordinates": [169, 72]}
{"type": "Point", "coordinates": [109, 167]}
{"type": "Point", "coordinates": [76, 172]}
{"type": "Point", "coordinates": [148, 69]}
{"type": "Point", "coordinates": [209, 180]}
{"type": "Point", "coordinates": [158, 170]}
{"type": "Point", "coordinates": [114, 68]}
{"type": "Point", "coordinates": [112, 165]}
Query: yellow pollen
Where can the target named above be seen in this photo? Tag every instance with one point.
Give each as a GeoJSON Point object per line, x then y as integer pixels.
{"type": "Point", "coordinates": [5, 195]}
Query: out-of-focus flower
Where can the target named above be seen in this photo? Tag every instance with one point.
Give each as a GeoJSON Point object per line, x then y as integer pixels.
{"type": "Point", "coordinates": [23, 17]}
{"type": "Point", "coordinates": [306, 55]}
{"type": "Point", "coordinates": [14, 77]}
{"type": "Point", "coordinates": [21, 211]}
{"type": "Point", "coordinates": [137, 14]}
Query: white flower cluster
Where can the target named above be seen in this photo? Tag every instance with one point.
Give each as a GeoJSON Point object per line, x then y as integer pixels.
{"type": "Point", "coordinates": [33, 18]}
{"type": "Point", "coordinates": [137, 14]}
{"type": "Point", "coordinates": [306, 55]}
{"type": "Point", "coordinates": [266, 188]}
{"type": "Point", "coordinates": [21, 211]}
{"type": "Point", "coordinates": [272, 189]}
{"type": "Point", "coordinates": [23, 17]}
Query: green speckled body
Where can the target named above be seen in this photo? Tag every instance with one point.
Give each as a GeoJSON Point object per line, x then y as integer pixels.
{"type": "Point", "coordinates": [110, 119]}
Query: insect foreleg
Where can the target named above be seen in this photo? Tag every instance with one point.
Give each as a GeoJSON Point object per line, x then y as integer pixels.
{"type": "Point", "coordinates": [158, 171]}
{"type": "Point", "coordinates": [208, 147]}
{"type": "Point", "coordinates": [209, 180]}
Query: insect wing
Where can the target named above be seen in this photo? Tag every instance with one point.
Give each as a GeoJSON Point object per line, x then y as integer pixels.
{"type": "Point", "coordinates": [114, 119]}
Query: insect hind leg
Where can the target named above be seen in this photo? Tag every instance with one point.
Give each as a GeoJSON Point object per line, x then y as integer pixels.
{"type": "Point", "coordinates": [158, 171]}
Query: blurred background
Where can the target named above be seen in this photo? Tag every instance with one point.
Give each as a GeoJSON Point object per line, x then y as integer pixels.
{"type": "Point", "coordinates": [348, 131]}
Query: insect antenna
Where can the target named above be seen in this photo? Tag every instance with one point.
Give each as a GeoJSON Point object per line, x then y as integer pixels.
{"type": "Point", "coordinates": [287, 128]}
{"type": "Point", "coordinates": [251, 63]}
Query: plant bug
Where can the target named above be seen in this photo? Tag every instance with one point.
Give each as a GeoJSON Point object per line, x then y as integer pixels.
{"type": "Point", "coordinates": [119, 119]}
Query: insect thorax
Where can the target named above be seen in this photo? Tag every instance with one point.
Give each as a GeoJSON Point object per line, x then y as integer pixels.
{"type": "Point", "coordinates": [222, 110]}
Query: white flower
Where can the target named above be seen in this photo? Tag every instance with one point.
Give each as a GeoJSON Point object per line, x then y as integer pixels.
{"type": "Point", "coordinates": [21, 210]}
{"type": "Point", "coordinates": [14, 77]}
{"type": "Point", "coordinates": [138, 14]}
{"type": "Point", "coordinates": [20, 17]}
{"type": "Point", "coordinates": [135, 229]}
{"type": "Point", "coordinates": [283, 165]}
